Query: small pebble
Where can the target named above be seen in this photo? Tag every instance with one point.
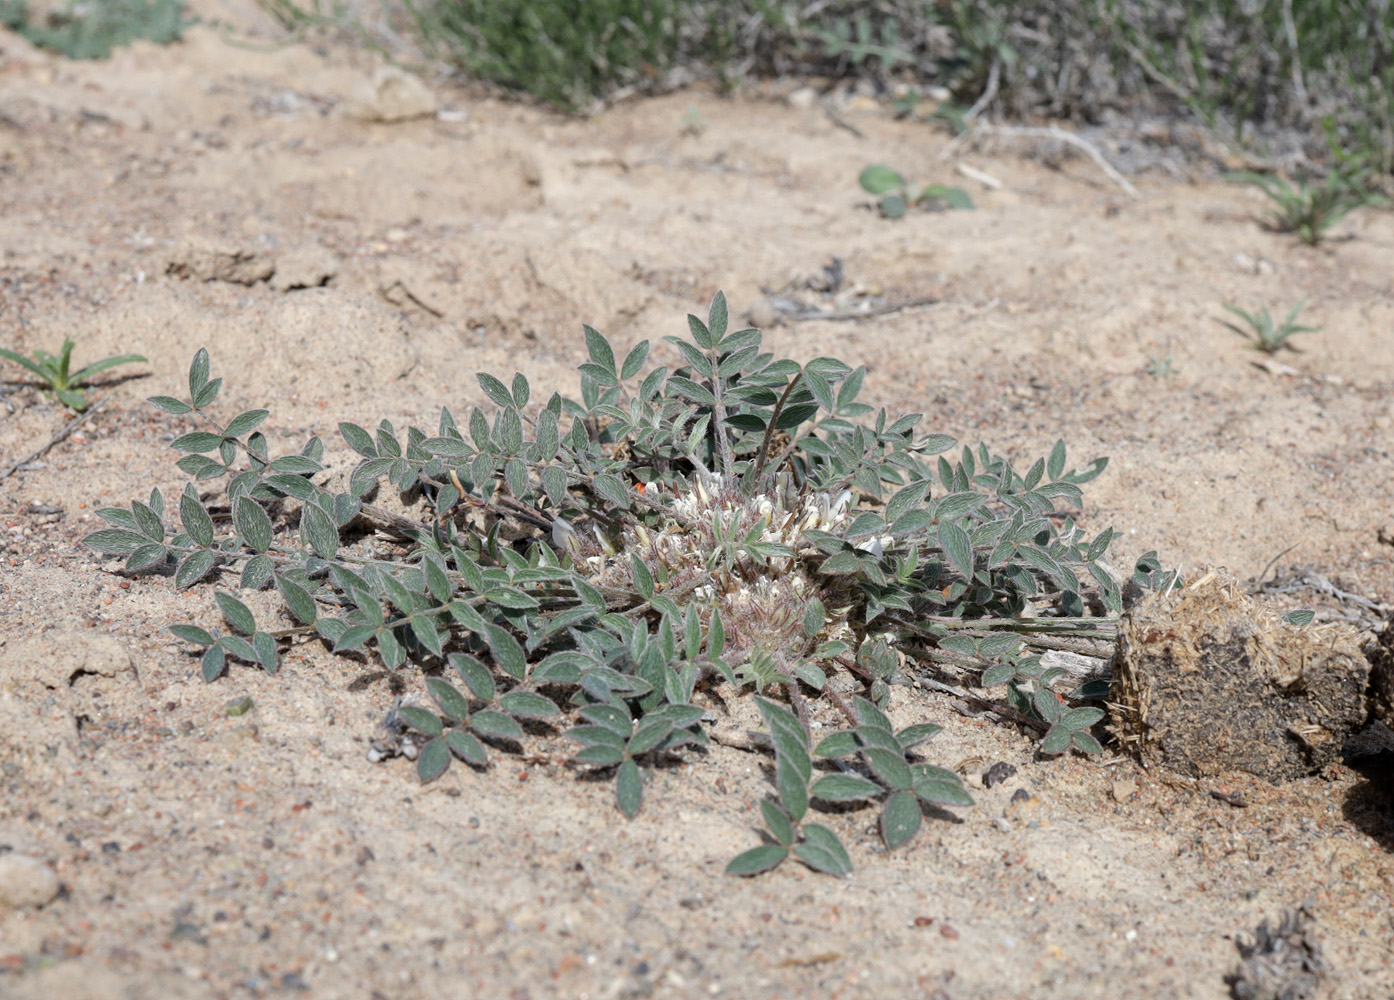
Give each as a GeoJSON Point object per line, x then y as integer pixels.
{"type": "Point", "coordinates": [25, 881]}
{"type": "Point", "coordinates": [240, 734]}
{"type": "Point", "coordinates": [1123, 790]}
{"type": "Point", "coordinates": [239, 706]}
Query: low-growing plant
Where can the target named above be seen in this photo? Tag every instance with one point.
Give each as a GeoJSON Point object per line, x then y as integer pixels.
{"type": "Point", "coordinates": [54, 371]}
{"type": "Point", "coordinates": [595, 565]}
{"type": "Point", "coordinates": [1160, 367]}
{"type": "Point", "coordinates": [92, 30]}
{"type": "Point", "coordinates": [859, 40]}
{"type": "Point", "coordinates": [1267, 334]}
{"type": "Point", "coordinates": [1309, 209]}
{"type": "Point", "coordinates": [894, 197]}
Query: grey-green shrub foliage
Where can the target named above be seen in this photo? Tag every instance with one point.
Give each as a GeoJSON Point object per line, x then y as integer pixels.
{"type": "Point", "coordinates": [589, 564]}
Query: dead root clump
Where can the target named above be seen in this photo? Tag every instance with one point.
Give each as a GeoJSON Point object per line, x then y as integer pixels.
{"type": "Point", "coordinates": [1206, 680]}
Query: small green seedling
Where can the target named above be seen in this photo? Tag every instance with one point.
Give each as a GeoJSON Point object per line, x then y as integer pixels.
{"type": "Point", "coordinates": [56, 376]}
{"type": "Point", "coordinates": [895, 199]}
{"type": "Point", "coordinates": [1309, 210]}
{"type": "Point", "coordinates": [1269, 335]}
{"type": "Point", "coordinates": [1159, 367]}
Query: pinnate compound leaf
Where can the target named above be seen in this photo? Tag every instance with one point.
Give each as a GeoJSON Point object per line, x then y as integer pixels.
{"type": "Point", "coordinates": [822, 851]}
{"type": "Point", "coordinates": [629, 789]}
{"type": "Point", "coordinates": [900, 819]}
{"type": "Point", "coordinates": [759, 859]}
{"type": "Point", "coordinates": [433, 760]}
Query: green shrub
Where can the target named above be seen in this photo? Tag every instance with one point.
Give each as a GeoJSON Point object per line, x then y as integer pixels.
{"type": "Point", "coordinates": [91, 29]}
{"type": "Point", "coordinates": [567, 52]}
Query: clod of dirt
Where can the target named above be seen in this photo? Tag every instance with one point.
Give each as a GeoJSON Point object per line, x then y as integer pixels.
{"type": "Point", "coordinates": [25, 881]}
{"type": "Point", "coordinates": [239, 267]}
{"type": "Point", "coordinates": [306, 267]}
{"type": "Point", "coordinates": [1205, 680]}
{"type": "Point", "coordinates": [1280, 964]}
{"type": "Point", "coordinates": [1382, 676]}
{"type": "Point", "coordinates": [57, 658]}
{"type": "Point", "coordinates": [391, 95]}
{"type": "Point", "coordinates": [998, 773]}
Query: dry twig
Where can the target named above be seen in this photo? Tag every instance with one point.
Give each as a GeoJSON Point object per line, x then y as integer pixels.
{"type": "Point", "coordinates": [68, 428]}
{"type": "Point", "coordinates": [1050, 132]}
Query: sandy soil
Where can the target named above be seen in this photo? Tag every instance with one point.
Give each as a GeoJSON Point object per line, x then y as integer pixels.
{"type": "Point", "coordinates": [203, 855]}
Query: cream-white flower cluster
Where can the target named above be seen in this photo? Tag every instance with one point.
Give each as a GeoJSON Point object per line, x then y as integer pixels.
{"type": "Point", "coordinates": [699, 555]}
